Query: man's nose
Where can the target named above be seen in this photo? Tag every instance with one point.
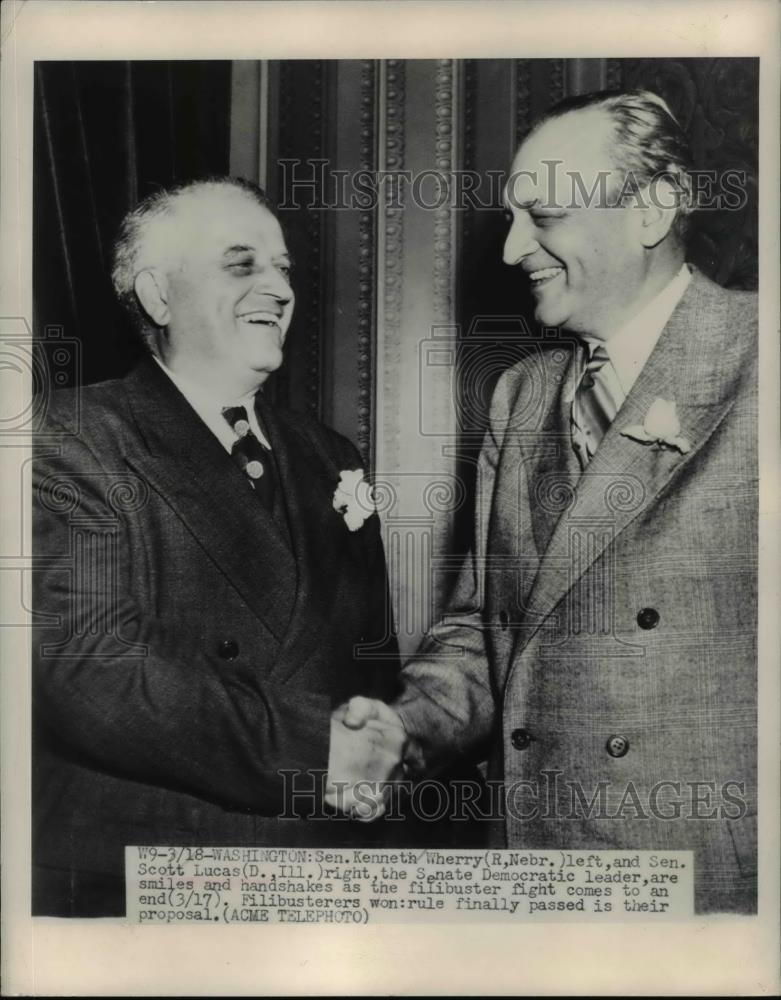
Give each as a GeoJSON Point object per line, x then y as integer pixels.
{"type": "Point", "coordinates": [520, 242]}
{"type": "Point", "coordinates": [271, 281]}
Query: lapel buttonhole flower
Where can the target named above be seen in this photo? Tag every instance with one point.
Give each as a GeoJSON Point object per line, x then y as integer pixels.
{"type": "Point", "coordinates": [353, 498]}
{"type": "Point", "coordinates": [660, 427]}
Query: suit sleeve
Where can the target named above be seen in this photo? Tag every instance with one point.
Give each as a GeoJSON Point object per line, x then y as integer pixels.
{"type": "Point", "coordinates": [447, 703]}
{"type": "Point", "coordinates": [112, 688]}
{"type": "Point", "coordinates": [380, 672]}
{"type": "Point", "coordinates": [377, 660]}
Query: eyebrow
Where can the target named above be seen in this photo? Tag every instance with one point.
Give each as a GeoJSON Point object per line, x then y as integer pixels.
{"type": "Point", "coordinates": [239, 248]}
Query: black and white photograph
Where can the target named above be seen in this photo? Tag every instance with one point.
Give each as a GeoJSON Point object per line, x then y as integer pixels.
{"type": "Point", "coordinates": [394, 493]}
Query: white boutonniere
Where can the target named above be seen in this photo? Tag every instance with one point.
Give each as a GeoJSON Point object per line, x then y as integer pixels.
{"type": "Point", "coordinates": [661, 427]}
{"type": "Point", "coordinates": [354, 498]}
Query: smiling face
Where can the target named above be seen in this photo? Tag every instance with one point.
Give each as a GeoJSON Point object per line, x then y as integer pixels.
{"type": "Point", "coordinates": [223, 271]}
{"type": "Point", "coordinates": [586, 262]}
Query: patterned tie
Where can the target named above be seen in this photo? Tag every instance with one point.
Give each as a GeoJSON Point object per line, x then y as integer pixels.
{"type": "Point", "coordinates": [250, 455]}
{"type": "Point", "coordinates": [596, 402]}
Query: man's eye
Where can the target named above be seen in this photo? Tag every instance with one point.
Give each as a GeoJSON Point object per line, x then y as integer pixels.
{"type": "Point", "coordinates": [285, 269]}
{"type": "Point", "coordinates": [241, 267]}
{"type": "Point", "coordinates": [546, 219]}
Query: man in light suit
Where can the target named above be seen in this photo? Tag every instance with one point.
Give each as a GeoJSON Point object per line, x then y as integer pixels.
{"type": "Point", "coordinates": [602, 634]}
{"type": "Point", "coordinates": [203, 594]}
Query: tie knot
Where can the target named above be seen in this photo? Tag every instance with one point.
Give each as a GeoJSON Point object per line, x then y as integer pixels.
{"type": "Point", "coordinates": [237, 418]}
{"type": "Point", "coordinates": [599, 357]}
{"type": "Point", "coordinates": [251, 455]}
{"type": "Point", "coordinates": [594, 364]}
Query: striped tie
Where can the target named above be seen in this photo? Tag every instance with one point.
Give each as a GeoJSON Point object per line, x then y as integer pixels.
{"type": "Point", "coordinates": [250, 455]}
{"type": "Point", "coordinates": [595, 404]}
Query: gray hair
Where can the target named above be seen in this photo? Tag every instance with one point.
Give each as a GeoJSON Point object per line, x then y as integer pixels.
{"type": "Point", "coordinates": [129, 244]}
{"type": "Point", "coordinates": [649, 142]}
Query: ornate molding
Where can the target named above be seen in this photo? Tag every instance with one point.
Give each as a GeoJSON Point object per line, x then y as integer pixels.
{"type": "Point", "coordinates": [303, 86]}
{"type": "Point", "coordinates": [390, 242]}
{"type": "Point", "coordinates": [366, 269]}
{"type": "Point", "coordinates": [316, 93]}
{"type": "Point", "coordinates": [614, 77]}
{"type": "Point", "coordinates": [469, 70]}
{"type": "Point", "coordinates": [445, 104]}
{"type": "Point", "coordinates": [522, 99]}
{"type": "Point", "coordinates": [556, 80]}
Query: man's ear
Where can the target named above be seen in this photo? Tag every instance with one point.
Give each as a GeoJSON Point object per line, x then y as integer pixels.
{"type": "Point", "coordinates": [661, 200]}
{"type": "Point", "coordinates": [151, 287]}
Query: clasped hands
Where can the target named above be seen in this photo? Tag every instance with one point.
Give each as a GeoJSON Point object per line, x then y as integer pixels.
{"type": "Point", "coordinates": [367, 749]}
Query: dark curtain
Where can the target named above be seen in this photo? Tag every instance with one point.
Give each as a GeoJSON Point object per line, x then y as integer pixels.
{"type": "Point", "coordinates": [105, 135]}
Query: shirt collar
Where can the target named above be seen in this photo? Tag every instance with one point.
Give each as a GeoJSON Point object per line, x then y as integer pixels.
{"type": "Point", "coordinates": [209, 408]}
{"type": "Point", "coordinates": [631, 345]}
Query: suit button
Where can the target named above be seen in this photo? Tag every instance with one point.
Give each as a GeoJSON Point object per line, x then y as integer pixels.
{"type": "Point", "coordinates": [521, 738]}
{"type": "Point", "coordinates": [504, 619]}
{"type": "Point", "coordinates": [648, 618]}
{"type": "Point", "coordinates": [228, 649]}
{"type": "Point", "coordinates": [617, 746]}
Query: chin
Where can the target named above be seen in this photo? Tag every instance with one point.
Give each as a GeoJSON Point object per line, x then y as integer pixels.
{"type": "Point", "coordinates": [561, 312]}
{"type": "Point", "coordinates": [269, 363]}
{"type": "Point", "coordinates": [548, 316]}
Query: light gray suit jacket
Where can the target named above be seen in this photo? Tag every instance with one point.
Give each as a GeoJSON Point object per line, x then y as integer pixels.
{"type": "Point", "coordinates": [602, 634]}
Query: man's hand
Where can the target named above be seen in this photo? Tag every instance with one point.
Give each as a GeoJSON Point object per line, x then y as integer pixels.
{"type": "Point", "coordinates": [367, 746]}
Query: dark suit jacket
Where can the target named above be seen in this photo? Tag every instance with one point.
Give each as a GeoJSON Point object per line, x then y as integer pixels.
{"type": "Point", "coordinates": [617, 603]}
{"type": "Point", "coordinates": [190, 644]}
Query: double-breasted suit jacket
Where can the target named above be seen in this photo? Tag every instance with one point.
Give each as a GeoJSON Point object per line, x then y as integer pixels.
{"type": "Point", "coordinates": [191, 644]}
{"type": "Point", "coordinates": [604, 628]}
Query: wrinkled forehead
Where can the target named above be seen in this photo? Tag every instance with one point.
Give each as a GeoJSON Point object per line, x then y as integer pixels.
{"type": "Point", "coordinates": [564, 160]}
{"type": "Point", "coordinates": [209, 221]}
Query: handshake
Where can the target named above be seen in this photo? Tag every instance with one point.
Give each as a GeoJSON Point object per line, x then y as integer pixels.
{"type": "Point", "coordinates": [368, 750]}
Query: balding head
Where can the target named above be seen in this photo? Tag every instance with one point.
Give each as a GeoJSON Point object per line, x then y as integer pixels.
{"type": "Point", "coordinates": [151, 228]}
{"type": "Point", "coordinates": [644, 141]}
{"type": "Point", "coordinates": [596, 191]}
{"type": "Point", "coordinates": [206, 272]}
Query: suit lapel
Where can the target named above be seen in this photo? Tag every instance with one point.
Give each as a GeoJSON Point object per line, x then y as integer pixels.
{"type": "Point", "coordinates": [307, 484]}
{"type": "Point", "coordinates": [690, 365]}
{"type": "Point", "coordinates": [554, 467]}
{"type": "Point", "coordinates": [535, 471]}
{"type": "Point", "coordinates": [183, 461]}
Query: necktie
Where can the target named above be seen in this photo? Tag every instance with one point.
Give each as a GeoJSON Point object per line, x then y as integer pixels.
{"type": "Point", "coordinates": [598, 398]}
{"type": "Point", "coordinates": [250, 455]}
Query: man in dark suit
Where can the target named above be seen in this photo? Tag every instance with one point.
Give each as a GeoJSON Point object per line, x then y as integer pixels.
{"type": "Point", "coordinates": [603, 631]}
{"type": "Point", "coordinates": [208, 571]}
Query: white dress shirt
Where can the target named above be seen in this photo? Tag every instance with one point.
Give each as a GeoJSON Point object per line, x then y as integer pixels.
{"type": "Point", "coordinates": [630, 346]}
{"type": "Point", "coordinates": [209, 409]}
